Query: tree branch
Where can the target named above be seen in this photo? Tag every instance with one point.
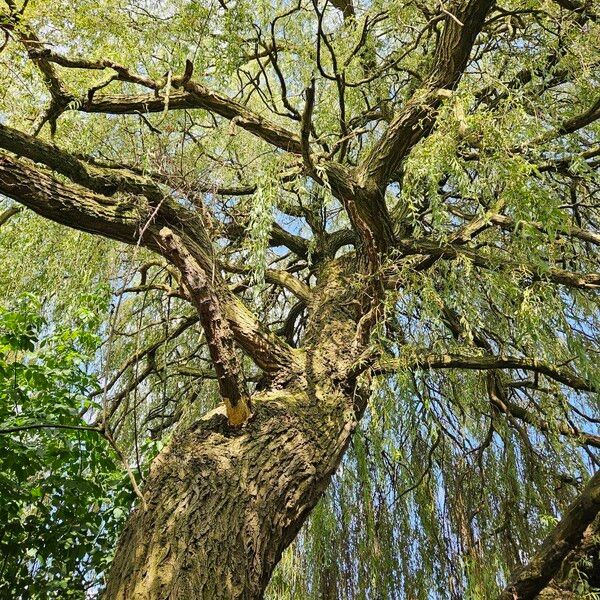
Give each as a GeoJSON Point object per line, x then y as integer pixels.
{"type": "Point", "coordinates": [216, 328]}
{"type": "Point", "coordinates": [19, 428]}
{"type": "Point", "coordinates": [532, 577]}
{"type": "Point", "coordinates": [434, 251]}
{"type": "Point", "coordinates": [458, 361]}
{"type": "Point", "coordinates": [197, 96]}
{"type": "Point", "coordinates": [417, 118]}
{"type": "Point", "coordinates": [278, 277]}
{"type": "Point", "coordinates": [8, 214]}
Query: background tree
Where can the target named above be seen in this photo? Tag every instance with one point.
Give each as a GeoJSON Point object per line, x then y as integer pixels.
{"type": "Point", "coordinates": [370, 230]}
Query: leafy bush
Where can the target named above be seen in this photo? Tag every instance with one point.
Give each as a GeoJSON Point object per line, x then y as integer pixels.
{"type": "Point", "coordinates": [63, 495]}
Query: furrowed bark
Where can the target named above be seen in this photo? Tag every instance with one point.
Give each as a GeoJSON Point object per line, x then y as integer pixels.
{"type": "Point", "coordinates": [365, 205]}
{"type": "Point", "coordinates": [72, 205]}
{"type": "Point", "coordinates": [223, 504]}
{"type": "Point", "coordinates": [580, 565]}
{"type": "Point", "coordinates": [533, 577]}
{"type": "Point", "coordinates": [103, 181]}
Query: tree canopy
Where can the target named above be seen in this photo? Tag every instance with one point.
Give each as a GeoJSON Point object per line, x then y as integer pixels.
{"type": "Point", "coordinates": [179, 181]}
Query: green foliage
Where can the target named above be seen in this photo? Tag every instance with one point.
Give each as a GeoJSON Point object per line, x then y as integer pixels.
{"type": "Point", "coordinates": [440, 493]}
{"type": "Point", "coordinates": [63, 496]}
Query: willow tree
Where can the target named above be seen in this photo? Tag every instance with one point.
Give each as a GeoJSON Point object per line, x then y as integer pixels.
{"type": "Point", "coordinates": [370, 225]}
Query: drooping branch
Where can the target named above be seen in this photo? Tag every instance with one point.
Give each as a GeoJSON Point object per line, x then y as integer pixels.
{"type": "Point", "coordinates": [306, 126]}
{"type": "Point", "coordinates": [541, 424]}
{"type": "Point", "coordinates": [458, 361]}
{"type": "Point", "coordinates": [151, 349]}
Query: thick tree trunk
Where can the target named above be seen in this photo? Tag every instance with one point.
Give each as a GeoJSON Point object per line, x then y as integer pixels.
{"type": "Point", "coordinates": [224, 504]}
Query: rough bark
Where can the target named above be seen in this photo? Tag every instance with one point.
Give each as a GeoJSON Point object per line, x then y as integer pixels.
{"type": "Point", "coordinates": [223, 503]}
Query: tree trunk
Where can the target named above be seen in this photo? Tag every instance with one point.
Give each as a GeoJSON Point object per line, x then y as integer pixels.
{"type": "Point", "coordinates": [223, 504]}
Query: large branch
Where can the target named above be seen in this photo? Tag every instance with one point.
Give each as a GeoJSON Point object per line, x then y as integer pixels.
{"type": "Point", "coordinates": [103, 181]}
{"type": "Point", "coordinates": [418, 117]}
{"type": "Point", "coordinates": [137, 221]}
{"type": "Point", "coordinates": [458, 361]}
{"type": "Point", "coordinates": [73, 205]}
{"type": "Point", "coordinates": [216, 328]}
{"type": "Point", "coordinates": [497, 391]}
{"type": "Point", "coordinates": [365, 204]}
{"type": "Point", "coordinates": [531, 578]}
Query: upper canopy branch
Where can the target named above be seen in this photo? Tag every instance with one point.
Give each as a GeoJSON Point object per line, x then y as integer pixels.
{"type": "Point", "coordinates": [195, 95]}
{"type": "Point", "coordinates": [417, 118]}
{"type": "Point", "coordinates": [32, 43]}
